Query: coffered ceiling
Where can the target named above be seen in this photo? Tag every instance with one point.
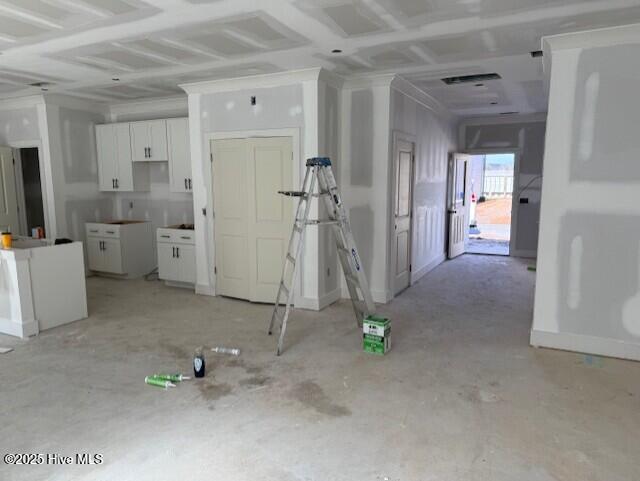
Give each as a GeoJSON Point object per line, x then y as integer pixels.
{"type": "Point", "coordinates": [119, 50]}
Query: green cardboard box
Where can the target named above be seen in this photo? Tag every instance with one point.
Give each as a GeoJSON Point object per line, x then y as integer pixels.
{"type": "Point", "coordinates": [376, 334]}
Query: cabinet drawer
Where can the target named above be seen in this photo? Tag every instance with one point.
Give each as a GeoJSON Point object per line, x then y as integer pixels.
{"type": "Point", "coordinates": [175, 236]}
{"type": "Point", "coordinates": [103, 230]}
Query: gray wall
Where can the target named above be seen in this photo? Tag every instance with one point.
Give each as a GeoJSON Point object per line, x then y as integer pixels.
{"type": "Point", "coordinates": [528, 137]}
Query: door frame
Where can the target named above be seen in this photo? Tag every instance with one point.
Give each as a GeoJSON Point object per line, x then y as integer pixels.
{"type": "Point", "coordinates": [210, 247]}
{"type": "Point", "coordinates": [398, 135]}
{"type": "Point", "coordinates": [517, 153]}
{"type": "Point", "coordinates": [29, 144]}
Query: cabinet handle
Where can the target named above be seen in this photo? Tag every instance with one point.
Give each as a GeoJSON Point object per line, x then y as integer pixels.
{"type": "Point", "coordinates": [178, 252]}
{"type": "Point", "coordinates": [117, 184]}
{"type": "Point", "coordinates": [185, 237]}
{"type": "Point", "coordinates": [146, 155]}
{"type": "Point", "coordinates": [100, 245]}
{"type": "Point", "coordinates": [189, 184]}
{"type": "Point", "coordinates": [149, 151]}
{"type": "Point", "coordinates": [111, 232]}
{"type": "Point", "coordinates": [166, 236]}
{"type": "Point", "coordinates": [113, 183]}
{"type": "Point", "coordinates": [94, 231]}
{"type": "Point", "coordinates": [186, 186]}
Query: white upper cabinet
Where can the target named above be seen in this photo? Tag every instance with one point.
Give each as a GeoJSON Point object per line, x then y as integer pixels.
{"type": "Point", "coordinates": [149, 141]}
{"type": "Point", "coordinates": [116, 172]}
{"type": "Point", "coordinates": [179, 155]}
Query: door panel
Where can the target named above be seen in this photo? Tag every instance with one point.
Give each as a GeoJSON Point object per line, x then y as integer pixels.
{"type": "Point", "coordinates": [166, 262]}
{"type": "Point", "coordinates": [404, 156]}
{"type": "Point", "coordinates": [271, 215]}
{"type": "Point", "coordinates": [124, 167]}
{"type": "Point", "coordinates": [140, 140]}
{"type": "Point", "coordinates": [179, 153]}
{"type": "Point", "coordinates": [459, 173]}
{"type": "Point", "coordinates": [158, 140]}
{"type": "Point", "coordinates": [112, 256]}
{"type": "Point", "coordinates": [187, 264]}
{"type": "Point", "coordinates": [94, 254]}
{"type": "Point", "coordinates": [107, 156]}
{"type": "Point", "coordinates": [231, 217]}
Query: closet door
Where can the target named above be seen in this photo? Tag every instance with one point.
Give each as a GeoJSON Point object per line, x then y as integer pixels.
{"type": "Point", "coordinates": [270, 169]}
{"type": "Point", "coordinates": [231, 217]}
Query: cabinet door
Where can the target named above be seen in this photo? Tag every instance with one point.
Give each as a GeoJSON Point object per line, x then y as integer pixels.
{"type": "Point", "coordinates": [166, 262]}
{"type": "Point", "coordinates": [179, 155]}
{"type": "Point", "coordinates": [124, 168]}
{"type": "Point", "coordinates": [94, 254]}
{"type": "Point", "coordinates": [112, 256]}
{"type": "Point", "coordinates": [107, 156]}
{"type": "Point", "coordinates": [140, 141]}
{"type": "Point", "coordinates": [158, 140]}
{"type": "Point", "coordinates": [187, 264]}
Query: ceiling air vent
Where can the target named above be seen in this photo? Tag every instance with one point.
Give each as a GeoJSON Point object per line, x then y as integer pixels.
{"type": "Point", "coordinates": [537, 53]}
{"type": "Point", "coordinates": [481, 77]}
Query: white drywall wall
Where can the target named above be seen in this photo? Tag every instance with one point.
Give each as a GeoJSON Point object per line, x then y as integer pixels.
{"type": "Point", "coordinates": [18, 125]}
{"type": "Point", "coordinates": [434, 135]}
{"type": "Point", "coordinates": [588, 270]}
{"type": "Point", "coordinates": [364, 175]}
{"type": "Point", "coordinates": [524, 135]}
{"type": "Point", "coordinates": [283, 101]}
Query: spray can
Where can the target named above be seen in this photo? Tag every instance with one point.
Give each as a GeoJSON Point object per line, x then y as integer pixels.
{"type": "Point", "coordinates": [171, 377]}
{"type": "Point", "coordinates": [154, 381]}
{"type": "Point", "coordinates": [198, 363]}
{"type": "Point", "coordinates": [226, 350]}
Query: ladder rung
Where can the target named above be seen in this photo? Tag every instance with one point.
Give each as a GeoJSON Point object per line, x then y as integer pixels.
{"type": "Point", "coordinates": [321, 222]}
{"type": "Point", "coordinates": [284, 289]}
{"type": "Point", "coordinates": [291, 259]}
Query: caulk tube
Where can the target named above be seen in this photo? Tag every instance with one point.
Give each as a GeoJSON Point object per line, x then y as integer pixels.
{"type": "Point", "coordinates": [154, 381]}
{"type": "Point", "coordinates": [171, 377]}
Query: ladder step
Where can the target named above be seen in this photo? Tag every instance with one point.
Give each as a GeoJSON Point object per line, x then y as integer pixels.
{"type": "Point", "coordinates": [291, 259]}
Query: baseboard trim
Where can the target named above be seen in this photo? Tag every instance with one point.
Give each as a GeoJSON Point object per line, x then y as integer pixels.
{"type": "Point", "coordinates": [380, 297]}
{"type": "Point", "coordinates": [19, 329]}
{"type": "Point", "coordinates": [524, 254]}
{"type": "Point", "coordinates": [600, 346]}
{"type": "Point", "coordinates": [330, 297]}
{"type": "Point", "coordinates": [417, 275]}
{"type": "Point", "coordinates": [205, 290]}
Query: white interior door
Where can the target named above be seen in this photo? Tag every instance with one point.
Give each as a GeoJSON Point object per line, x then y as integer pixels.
{"type": "Point", "coordinates": [252, 221]}
{"type": "Point", "coordinates": [404, 155]}
{"type": "Point", "coordinates": [231, 221]}
{"type": "Point", "coordinates": [8, 198]}
{"type": "Point", "coordinates": [459, 170]}
{"type": "Point", "coordinates": [270, 169]}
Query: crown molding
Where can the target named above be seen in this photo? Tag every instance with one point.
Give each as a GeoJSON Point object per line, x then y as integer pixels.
{"type": "Point", "coordinates": [404, 86]}
{"type": "Point", "coordinates": [25, 102]}
{"type": "Point", "coordinates": [253, 82]}
{"type": "Point", "coordinates": [601, 37]}
{"type": "Point", "coordinates": [159, 105]}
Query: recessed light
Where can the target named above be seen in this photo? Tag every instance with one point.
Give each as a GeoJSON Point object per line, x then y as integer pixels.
{"type": "Point", "coordinates": [494, 103]}
{"type": "Point", "coordinates": [479, 85]}
{"type": "Point", "coordinates": [336, 50]}
{"type": "Point", "coordinates": [537, 53]}
{"type": "Point", "coordinates": [44, 89]}
{"type": "Point", "coordinates": [115, 79]}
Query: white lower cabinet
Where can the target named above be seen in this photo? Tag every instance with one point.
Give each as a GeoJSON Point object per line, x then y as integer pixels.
{"type": "Point", "coordinates": [176, 256]}
{"type": "Point", "coordinates": [120, 247]}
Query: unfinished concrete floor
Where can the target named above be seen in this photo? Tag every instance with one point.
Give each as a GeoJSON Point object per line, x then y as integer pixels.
{"type": "Point", "coordinates": [461, 396]}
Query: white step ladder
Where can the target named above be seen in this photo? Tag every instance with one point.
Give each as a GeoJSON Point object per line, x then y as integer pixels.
{"type": "Point", "coordinates": [320, 175]}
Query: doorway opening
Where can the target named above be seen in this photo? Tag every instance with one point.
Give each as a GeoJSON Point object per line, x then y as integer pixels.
{"type": "Point", "coordinates": [491, 203]}
{"type": "Point", "coordinates": [29, 193]}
